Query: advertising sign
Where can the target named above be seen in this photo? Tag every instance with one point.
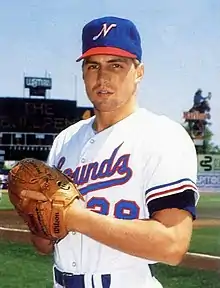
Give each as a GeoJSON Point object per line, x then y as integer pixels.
{"type": "Point", "coordinates": [208, 163]}
{"type": "Point", "coordinates": [208, 182]}
{"type": "Point", "coordinates": [34, 82]}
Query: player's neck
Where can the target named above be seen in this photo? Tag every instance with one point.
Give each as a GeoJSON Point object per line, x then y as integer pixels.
{"type": "Point", "coordinates": [103, 120]}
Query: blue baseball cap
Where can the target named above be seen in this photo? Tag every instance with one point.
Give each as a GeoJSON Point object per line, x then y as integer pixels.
{"type": "Point", "coordinates": [111, 36]}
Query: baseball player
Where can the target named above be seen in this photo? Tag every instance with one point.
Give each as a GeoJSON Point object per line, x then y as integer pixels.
{"type": "Point", "coordinates": [135, 169]}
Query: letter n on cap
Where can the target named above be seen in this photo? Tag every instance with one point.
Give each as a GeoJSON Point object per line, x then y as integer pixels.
{"type": "Point", "coordinates": [104, 30]}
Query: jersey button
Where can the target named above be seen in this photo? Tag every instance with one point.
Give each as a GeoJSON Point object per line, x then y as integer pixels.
{"type": "Point", "coordinates": [74, 264]}
{"type": "Point", "coordinates": [92, 141]}
{"type": "Point", "coordinates": [83, 160]}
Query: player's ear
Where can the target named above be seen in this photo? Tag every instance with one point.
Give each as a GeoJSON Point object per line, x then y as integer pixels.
{"type": "Point", "coordinates": [82, 70]}
{"type": "Point", "coordinates": [139, 72]}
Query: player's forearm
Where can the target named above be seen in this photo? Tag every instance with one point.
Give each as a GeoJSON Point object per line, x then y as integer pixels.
{"type": "Point", "coordinates": [146, 239]}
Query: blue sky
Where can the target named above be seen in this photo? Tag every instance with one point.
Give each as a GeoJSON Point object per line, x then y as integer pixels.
{"type": "Point", "coordinates": [180, 39]}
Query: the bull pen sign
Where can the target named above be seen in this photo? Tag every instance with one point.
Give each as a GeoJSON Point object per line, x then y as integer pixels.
{"type": "Point", "coordinates": [38, 115]}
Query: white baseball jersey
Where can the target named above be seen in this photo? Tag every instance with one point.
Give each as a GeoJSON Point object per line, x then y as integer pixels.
{"type": "Point", "coordinates": [126, 171]}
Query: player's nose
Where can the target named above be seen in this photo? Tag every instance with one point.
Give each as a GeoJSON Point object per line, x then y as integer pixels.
{"type": "Point", "coordinates": [103, 76]}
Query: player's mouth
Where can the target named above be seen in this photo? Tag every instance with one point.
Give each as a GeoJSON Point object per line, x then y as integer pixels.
{"type": "Point", "coordinates": [104, 92]}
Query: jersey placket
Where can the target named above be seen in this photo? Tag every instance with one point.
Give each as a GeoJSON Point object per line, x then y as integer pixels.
{"type": "Point", "coordinates": [85, 151]}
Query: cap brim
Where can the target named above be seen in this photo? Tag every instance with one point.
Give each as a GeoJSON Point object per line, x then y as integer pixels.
{"type": "Point", "coordinates": [106, 51]}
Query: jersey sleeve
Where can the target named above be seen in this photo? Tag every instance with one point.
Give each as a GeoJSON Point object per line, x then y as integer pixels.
{"type": "Point", "coordinates": [172, 181]}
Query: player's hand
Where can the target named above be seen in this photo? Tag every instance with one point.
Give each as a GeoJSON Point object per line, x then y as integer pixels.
{"type": "Point", "coordinates": [43, 246]}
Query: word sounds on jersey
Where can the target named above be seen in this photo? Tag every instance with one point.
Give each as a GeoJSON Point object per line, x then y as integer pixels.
{"type": "Point", "coordinates": [104, 170]}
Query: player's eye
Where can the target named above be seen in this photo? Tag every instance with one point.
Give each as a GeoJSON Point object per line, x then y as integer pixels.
{"type": "Point", "coordinates": [92, 67]}
{"type": "Point", "coordinates": [116, 65]}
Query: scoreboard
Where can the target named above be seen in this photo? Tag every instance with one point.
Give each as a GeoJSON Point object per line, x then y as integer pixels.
{"type": "Point", "coordinates": [38, 115]}
{"type": "Point", "coordinates": [28, 126]}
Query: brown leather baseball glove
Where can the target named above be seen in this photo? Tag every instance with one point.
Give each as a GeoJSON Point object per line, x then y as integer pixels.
{"type": "Point", "coordinates": [49, 195]}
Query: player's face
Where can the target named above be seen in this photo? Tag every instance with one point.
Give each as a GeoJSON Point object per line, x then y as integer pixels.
{"type": "Point", "coordinates": [111, 81]}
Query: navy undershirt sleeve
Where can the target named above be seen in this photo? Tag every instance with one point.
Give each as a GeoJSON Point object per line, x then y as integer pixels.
{"type": "Point", "coordinates": [184, 200]}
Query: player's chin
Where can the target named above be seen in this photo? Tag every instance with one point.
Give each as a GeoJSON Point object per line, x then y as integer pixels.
{"type": "Point", "coordinates": [106, 106]}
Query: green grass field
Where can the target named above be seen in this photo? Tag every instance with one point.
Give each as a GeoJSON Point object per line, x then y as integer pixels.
{"type": "Point", "coordinates": [176, 277]}
{"type": "Point", "coordinates": [206, 240]}
{"type": "Point", "coordinates": [20, 264]}
{"type": "Point", "coordinates": [5, 204]}
{"type": "Point", "coordinates": [209, 206]}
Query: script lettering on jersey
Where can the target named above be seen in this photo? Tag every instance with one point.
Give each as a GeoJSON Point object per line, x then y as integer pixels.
{"type": "Point", "coordinates": [100, 175]}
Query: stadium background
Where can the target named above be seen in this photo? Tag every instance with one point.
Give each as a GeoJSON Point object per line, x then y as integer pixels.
{"type": "Point", "coordinates": [28, 126]}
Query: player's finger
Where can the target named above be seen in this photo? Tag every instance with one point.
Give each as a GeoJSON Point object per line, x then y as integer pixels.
{"type": "Point", "coordinates": [35, 195]}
